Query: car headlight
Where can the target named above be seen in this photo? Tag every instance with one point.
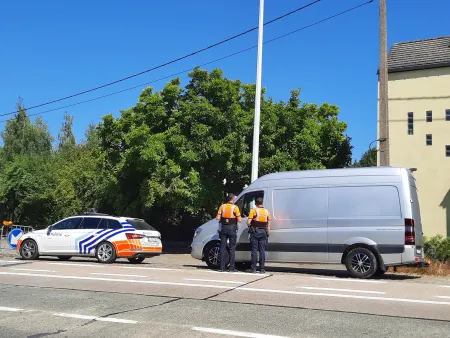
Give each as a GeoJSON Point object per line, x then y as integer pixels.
{"type": "Point", "coordinates": [197, 232]}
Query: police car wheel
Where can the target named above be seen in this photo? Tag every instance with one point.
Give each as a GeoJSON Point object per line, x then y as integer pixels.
{"type": "Point", "coordinates": [361, 263]}
{"type": "Point", "coordinates": [105, 253]}
{"type": "Point", "coordinates": [212, 255]}
{"type": "Point", "coordinates": [136, 260]}
{"type": "Point", "coordinates": [64, 258]}
{"type": "Point", "coordinates": [29, 250]}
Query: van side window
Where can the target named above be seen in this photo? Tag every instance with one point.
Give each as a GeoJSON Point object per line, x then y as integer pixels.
{"type": "Point", "coordinates": [300, 203]}
{"type": "Point", "coordinates": [364, 202]}
{"type": "Point", "coordinates": [247, 201]}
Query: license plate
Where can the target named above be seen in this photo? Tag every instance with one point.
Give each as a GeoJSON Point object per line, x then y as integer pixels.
{"type": "Point", "coordinates": [152, 241]}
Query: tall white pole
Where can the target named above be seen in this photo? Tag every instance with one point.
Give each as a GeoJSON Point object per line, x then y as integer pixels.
{"type": "Point", "coordinates": [255, 156]}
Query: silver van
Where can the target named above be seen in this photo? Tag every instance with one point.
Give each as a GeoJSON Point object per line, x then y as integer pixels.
{"type": "Point", "coordinates": [365, 218]}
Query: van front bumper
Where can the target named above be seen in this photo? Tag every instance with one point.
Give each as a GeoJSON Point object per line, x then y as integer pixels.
{"type": "Point", "coordinates": [197, 250]}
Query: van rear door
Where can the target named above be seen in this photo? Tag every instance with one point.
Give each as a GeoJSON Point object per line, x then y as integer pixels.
{"type": "Point", "coordinates": [415, 210]}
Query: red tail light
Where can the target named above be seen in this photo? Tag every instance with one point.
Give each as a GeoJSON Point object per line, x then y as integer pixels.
{"type": "Point", "coordinates": [134, 236]}
{"type": "Point", "coordinates": [410, 233]}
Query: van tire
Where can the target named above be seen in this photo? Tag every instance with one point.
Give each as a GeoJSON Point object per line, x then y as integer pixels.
{"type": "Point", "coordinates": [361, 263]}
{"type": "Point", "coordinates": [212, 255]}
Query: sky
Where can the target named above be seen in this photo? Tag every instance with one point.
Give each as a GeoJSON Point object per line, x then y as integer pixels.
{"type": "Point", "coordinates": [51, 49]}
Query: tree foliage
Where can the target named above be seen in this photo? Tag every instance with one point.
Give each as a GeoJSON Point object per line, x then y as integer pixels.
{"type": "Point", "coordinates": [368, 159]}
{"type": "Point", "coordinates": [166, 158]}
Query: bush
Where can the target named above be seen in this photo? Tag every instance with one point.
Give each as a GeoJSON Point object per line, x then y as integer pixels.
{"type": "Point", "coordinates": [437, 248]}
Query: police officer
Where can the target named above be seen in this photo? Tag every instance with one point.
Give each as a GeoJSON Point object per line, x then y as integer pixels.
{"type": "Point", "coordinates": [259, 227]}
{"type": "Point", "coordinates": [228, 215]}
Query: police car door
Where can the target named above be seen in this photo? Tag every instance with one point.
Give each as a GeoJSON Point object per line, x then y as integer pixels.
{"type": "Point", "coordinates": [58, 238]}
{"type": "Point", "coordinates": [246, 202]}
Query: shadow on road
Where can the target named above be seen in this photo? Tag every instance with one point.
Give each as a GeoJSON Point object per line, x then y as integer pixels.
{"type": "Point", "coordinates": [320, 272]}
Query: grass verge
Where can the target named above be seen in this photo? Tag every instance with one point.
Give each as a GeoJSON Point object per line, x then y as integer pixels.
{"type": "Point", "coordinates": [434, 269]}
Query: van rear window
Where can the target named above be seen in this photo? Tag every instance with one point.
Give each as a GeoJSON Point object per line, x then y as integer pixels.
{"type": "Point", "coordinates": [140, 224]}
{"type": "Point", "coordinates": [364, 202]}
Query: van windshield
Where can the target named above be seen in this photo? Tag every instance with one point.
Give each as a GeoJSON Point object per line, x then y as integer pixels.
{"type": "Point", "coordinates": [140, 224]}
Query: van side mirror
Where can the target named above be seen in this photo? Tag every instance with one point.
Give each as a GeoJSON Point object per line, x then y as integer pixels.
{"type": "Point", "coordinates": [49, 230]}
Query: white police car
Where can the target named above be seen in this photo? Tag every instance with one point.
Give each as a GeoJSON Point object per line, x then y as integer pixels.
{"type": "Point", "coordinates": [93, 235]}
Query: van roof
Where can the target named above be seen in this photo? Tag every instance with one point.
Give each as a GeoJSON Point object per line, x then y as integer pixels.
{"type": "Point", "coordinates": [367, 171]}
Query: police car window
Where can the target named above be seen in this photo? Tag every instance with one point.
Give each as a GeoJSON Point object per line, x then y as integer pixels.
{"type": "Point", "coordinates": [249, 201]}
{"type": "Point", "coordinates": [103, 224]}
{"type": "Point", "coordinates": [90, 223]}
{"type": "Point", "coordinates": [113, 224]}
{"type": "Point", "coordinates": [68, 224]}
{"type": "Point", "coordinates": [140, 224]}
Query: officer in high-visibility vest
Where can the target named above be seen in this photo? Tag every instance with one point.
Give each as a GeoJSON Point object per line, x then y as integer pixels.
{"type": "Point", "coordinates": [229, 216]}
{"type": "Point", "coordinates": [259, 227]}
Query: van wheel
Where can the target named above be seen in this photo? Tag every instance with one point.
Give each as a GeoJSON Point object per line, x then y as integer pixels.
{"type": "Point", "coordinates": [361, 263]}
{"type": "Point", "coordinates": [212, 255]}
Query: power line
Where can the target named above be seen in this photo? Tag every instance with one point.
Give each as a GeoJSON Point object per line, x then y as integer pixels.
{"type": "Point", "coordinates": [204, 64]}
{"type": "Point", "coordinates": [172, 61]}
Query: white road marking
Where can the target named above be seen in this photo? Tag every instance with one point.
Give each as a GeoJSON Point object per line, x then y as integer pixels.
{"type": "Point", "coordinates": [344, 290]}
{"type": "Point", "coordinates": [350, 280]}
{"type": "Point", "coordinates": [214, 280]}
{"type": "Point", "coordinates": [100, 319]}
{"type": "Point", "coordinates": [443, 297]}
{"type": "Point", "coordinates": [337, 295]}
{"type": "Point", "coordinates": [10, 309]}
{"type": "Point", "coordinates": [235, 333]}
{"type": "Point", "coordinates": [445, 286]}
{"type": "Point", "coordinates": [139, 268]}
{"type": "Point", "coordinates": [34, 270]}
{"type": "Point", "coordinates": [117, 274]}
{"type": "Point", "coordinates": [115, 280]}
{"type": "Point", "coordinates": [77, 264]}
{"type": "Point", "coordinates": [17, 261]}
{"type": "Point", "coordinates": [239, 273]}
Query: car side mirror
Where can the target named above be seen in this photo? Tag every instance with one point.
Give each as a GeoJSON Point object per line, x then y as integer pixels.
{"type": "Point", "coordinates": [49, 230]}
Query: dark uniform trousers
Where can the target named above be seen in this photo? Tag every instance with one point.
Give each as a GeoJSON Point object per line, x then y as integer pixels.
{"type": "Point", "coordinates": [228, 232]}
{"type": "Point", "coordinates": [258, 240]}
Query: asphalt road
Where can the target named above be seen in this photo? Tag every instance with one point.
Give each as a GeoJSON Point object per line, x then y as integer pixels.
{"type": "Point", "coordinates": [174, 295]}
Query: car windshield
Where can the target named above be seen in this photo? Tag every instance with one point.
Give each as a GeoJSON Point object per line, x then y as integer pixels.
{"type": "Point", "coordinates": [140, 224]}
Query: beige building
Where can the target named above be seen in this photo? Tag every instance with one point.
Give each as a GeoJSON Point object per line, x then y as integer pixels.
{"type": "Point", "coordinates": [419, 123]}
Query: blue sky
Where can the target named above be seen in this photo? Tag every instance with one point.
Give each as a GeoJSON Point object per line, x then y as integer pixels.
{"type": "Point", "coordinates": [50, 49]}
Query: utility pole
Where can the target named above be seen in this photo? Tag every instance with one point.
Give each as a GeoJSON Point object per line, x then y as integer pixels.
{"type": "Point", "coordinates": [383, 124]}
{"type": "Point", "coordinates": [255, 154]}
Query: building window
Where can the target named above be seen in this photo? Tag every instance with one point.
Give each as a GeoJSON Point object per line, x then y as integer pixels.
{"type": "Point", "coordinates": [447, 151]}
{"type": "Point", "coordinates": [410, 123]}
{"type": "Point", "coordinates": [447, 115]}
{"type": "Point", "coordinates": [429, 139]}
{"type": "Point", "coordinates": [429, 116]}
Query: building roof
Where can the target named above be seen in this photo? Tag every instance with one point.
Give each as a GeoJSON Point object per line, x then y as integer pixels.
{"type": "Point", "coordinates": [419, 54]}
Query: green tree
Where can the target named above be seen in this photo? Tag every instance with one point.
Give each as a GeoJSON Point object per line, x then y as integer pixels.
{"type": "Point", "coordinates": [22, 137]}
{"type": "Point", "coordinates": [66, 137]}
{"type": "Point", "coordinates": [368, 159]}
{"type": "Point", "coordinates": [169, 155]}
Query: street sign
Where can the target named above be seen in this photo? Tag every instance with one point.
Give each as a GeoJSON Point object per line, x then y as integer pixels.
{"type": "Point", "coordinates": [13, 237]}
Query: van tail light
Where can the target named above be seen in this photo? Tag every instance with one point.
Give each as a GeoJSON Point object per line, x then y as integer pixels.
{"type": "Point", "coordinates": [410, 233]}
{"type": "Point", "coordinates": [134, 236]}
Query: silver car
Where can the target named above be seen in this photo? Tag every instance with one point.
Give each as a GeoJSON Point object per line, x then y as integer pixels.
{"type": "Point", "coordinates": [365, 218]}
